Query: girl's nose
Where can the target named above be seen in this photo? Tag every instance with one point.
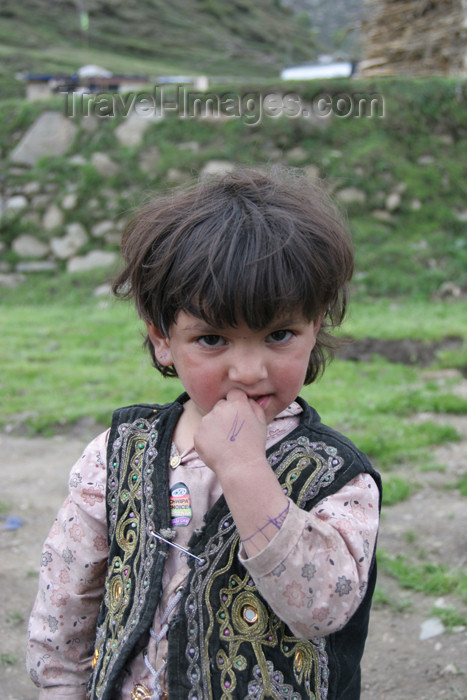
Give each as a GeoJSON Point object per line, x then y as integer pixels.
{"type": "Point", "coordinates": [247, 367]}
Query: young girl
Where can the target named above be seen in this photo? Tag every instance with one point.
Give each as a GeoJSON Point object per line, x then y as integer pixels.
{"type": "Point", "coordinates": [220, 546]}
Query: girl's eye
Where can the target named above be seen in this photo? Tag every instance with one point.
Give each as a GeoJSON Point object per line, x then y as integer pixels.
{"type": "Point", "coordinates": [211, 341]}
{"type": "Point", "coordinates": [279, 336]}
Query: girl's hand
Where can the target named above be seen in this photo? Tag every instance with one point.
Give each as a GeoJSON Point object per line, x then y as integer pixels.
{"type": "Point", "coordinates": [233, 434]}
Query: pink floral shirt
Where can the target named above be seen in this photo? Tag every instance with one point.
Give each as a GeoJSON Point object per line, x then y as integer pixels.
{"type": "Point", "coordinates": [313, 573]}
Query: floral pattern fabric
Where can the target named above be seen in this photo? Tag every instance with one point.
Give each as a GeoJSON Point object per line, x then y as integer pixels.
{"type": "Point", "coordinates": [313, 573]}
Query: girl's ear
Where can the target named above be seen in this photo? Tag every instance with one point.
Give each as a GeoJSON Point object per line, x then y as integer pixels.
{"type": "Point", "coordinates": [160, 344]}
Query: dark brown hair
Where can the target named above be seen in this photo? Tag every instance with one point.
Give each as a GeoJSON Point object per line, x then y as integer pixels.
{"type": "Point", "coordinates": [244, 246]}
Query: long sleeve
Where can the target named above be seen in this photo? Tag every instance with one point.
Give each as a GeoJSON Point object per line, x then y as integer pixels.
{"type": "Point", "coordinates": [71, 583]}
{"type": "Point", "coordinates": [314, 572]}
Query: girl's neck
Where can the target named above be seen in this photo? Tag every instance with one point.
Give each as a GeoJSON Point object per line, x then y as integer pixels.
{"type": "Point", "coordinates": [186, 427]}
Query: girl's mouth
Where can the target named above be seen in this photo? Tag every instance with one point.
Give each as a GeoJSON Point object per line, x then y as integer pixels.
{"type": "Point", "coordinates": [261, 400]}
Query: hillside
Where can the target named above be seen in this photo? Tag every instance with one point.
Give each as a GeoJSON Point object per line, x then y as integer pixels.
{"type": "Point", "coordinates": [236, 38]}
{"type": "Point", "coordinates": [401, 176]}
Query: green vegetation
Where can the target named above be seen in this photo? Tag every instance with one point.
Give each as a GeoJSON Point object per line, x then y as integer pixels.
{"type": "Point", "coordinates": [427, 578]}
{"type": "Point", "coordinates": [152, 38]}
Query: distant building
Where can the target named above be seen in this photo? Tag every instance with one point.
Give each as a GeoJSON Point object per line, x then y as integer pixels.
{"type": "Point", "coordinates": [89, 79]}
{"type": "Point", "coordinates": [414, 38]}
{"type": "Point", "coordinates": [314, 71]}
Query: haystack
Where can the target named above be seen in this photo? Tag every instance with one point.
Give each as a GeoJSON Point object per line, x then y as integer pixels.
{"type": "Point", "coordinates": [414, 37]}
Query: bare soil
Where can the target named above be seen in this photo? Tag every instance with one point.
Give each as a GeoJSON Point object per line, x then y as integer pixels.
{"type": "Point", "coordinates": [398, 665]}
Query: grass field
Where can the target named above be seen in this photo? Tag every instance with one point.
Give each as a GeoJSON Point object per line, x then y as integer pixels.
{"type": "Point", "coordinates": [67, 354]}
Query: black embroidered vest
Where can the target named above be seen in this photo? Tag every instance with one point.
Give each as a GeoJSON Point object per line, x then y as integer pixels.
{"type": "Point", "coordinates": [225, 642]}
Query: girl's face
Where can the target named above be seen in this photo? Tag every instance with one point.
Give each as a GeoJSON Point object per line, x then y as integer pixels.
{"type": "Point", "coordinates": [268, 365]}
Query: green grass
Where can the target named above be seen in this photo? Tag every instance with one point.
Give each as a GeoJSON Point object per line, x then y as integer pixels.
{"type": "Point", "coordinates": [427, 578]}
{"type": "Point", "coordinates": [395, 489]}
{"type": "Point", "coordinates": [67, 355]}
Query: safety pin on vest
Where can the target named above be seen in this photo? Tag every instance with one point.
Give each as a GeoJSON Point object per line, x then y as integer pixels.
{"type": "Point", "coordinates": [177, 546]}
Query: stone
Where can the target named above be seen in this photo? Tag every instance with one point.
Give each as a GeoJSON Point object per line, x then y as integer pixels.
{"type": "Point", "coordinates": [103, 290]}
{"type": "Point", "coordinates": [415, 204]}
{"type": "Point", "coordinates": [149, 159]}
{"type": "Point", "coordinates": [70, 201]}
{"type": "Point", "coordinates": [132, 129]}
{"type": "Point", "coordinates": [51, 135]}
{"type": "Point", "coordinates": [449, 290]}
{"type": "Point", "coordinates": [40, 201]}
{"type": "Point", "coordinates": [113, 238]}
{"type": "Point", "coordinates": [16, 203]}
{"type": "Point", "coordinates": [96, 258]}
{"type": "Point", "coordinates": [431, 628]}
{"type": "Point", "coordinates": [297, 154]}
{"type": "Point", "coordinates": [89, 123]}
{"type": "Point", "coordinates": [175, 175]}
{"type": "Point", "coordinates": [351, 195]}
{"type": "Point", "coordinates": [393, 201]}
{"type": "Point", "coordinates": [11, 280]}
{"type": "Point", "coordinates": [77, 160]}
{"type": "Point", "coordinates": [461, 215]}
{"type": "Point", "coordinates": [312, 172]}
{"type": "Point", "coordinates": [32, 187]}
{"type": "Point", "coordinates": [66, 246]}
{"type": "Point", "coordinates": [27, 246]}
{"type": "Point", "coordinates": [425, 160]}
{"type": "Point", "coordinates": [101, 228]}
{"type": "Point", "coordinates": [104, 165]}
{"type": "Point", "coordinates": [53, 218]}
{"type": "Point", "coordinates": [192, 146]}
{"type": "Point", "coordinates": [36, 266]}
{"type": "Point", "coordinates": [382, 215]}
{"type": "Point", "coordinates": [217, 167]}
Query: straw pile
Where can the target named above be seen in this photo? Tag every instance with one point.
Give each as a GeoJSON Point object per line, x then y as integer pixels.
{"type": "Point", "coordinates": [415, 37]}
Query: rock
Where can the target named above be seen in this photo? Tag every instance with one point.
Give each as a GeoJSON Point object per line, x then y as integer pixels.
{"type": "Point", "coordinates": [351, 195]}
{"type": "Point", "coordinates": [103, 290]}
{"type": "Point", "coordinates": [425, 160]}
{"type": "Point", "coordinates": [415, 205]}
{"type": "Point", "coordinates": [16, 203]}
{"type": "Point", "coordinates": [449, 290]}
{"type": "Point", "coordinates": [77, 160]}
{"type": "Point", "coordinates": [96, 258]}
{"type": "Point", "coordinates": [70, 201]}
{"type": "Point", "coordinates": [40, 201]}
{"type": "Point", "coordinates": [217, 167]}
{"type": "Point", "coordinates": [50, 135]}
{"type": "Point", "coordinates": [461, 215]}
{"type": "Point", "coordinates": [393, 201]}
{"type": "Point", "coordinates": [149, 159]}
{"type": "Point", "coordinates": [312, 172]}
{"type": "Point", "coordinates": [101, 228]}
{"type": "Point", "coordinates": [192, 146]}
{"type": "Point", "coordinates": [175, 175]}
{"type": "Point", "coordinates": [297, 154]}
{"type": "Point", "coordinates": [104, 165]}
{"type": "Point", "coordinates": [37, 266]}
{"type": "Point", "coordinates": [431, 628]}
{"type": "Point", "coordinates": [32, 187]}
{"type": "Point", "coordinates": [66, 246]}
{"type": "Point", "coordinates": [113, 238]}
{"type": "Point", "coordinates": [53, 218]}
{"type": "Point", "coordinates": [11, 280]}
{"type": "Point", "coordinates": [89, 123]}
{"type": "Point", "coordinates": [382, 215]}
{"type": "Point", "coordinates": [27, 246]}
{"type": "Point", "coordinates": [131, 131]}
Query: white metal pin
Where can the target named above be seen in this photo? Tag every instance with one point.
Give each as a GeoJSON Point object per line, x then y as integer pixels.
{"type": "Point", "coordinates": [177, 546]}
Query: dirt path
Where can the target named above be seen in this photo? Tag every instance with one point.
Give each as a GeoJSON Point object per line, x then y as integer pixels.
{"type": "Point", "coordinates": [397, 664]}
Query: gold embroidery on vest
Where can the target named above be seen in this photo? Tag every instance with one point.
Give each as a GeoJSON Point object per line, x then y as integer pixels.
{"type": "Point", "coordinates": [127, 581]}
